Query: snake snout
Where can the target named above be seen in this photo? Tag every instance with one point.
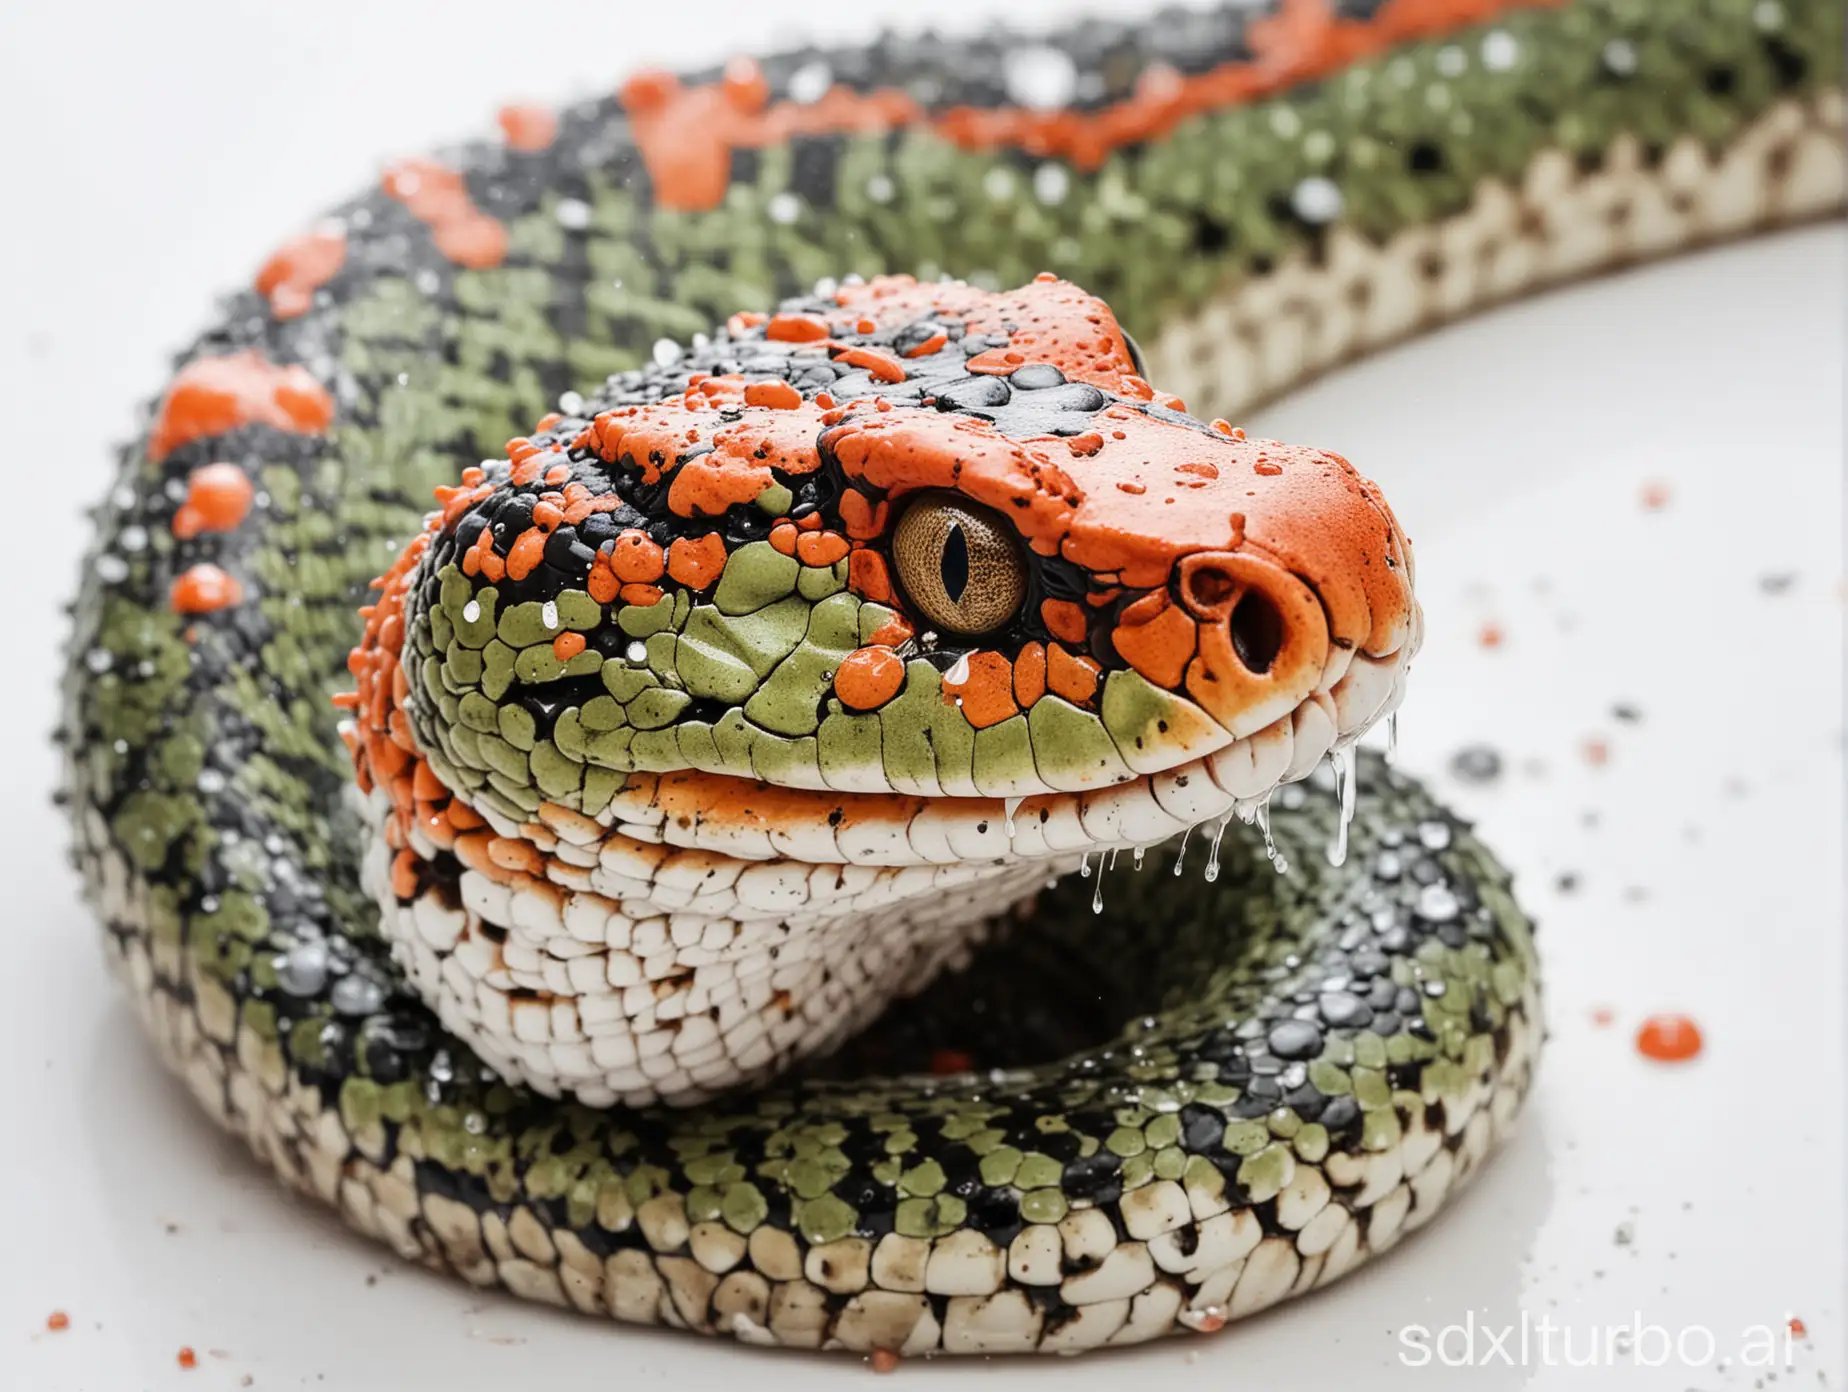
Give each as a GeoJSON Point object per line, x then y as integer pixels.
{"type": "Point", "coordinates": [1263, 640]}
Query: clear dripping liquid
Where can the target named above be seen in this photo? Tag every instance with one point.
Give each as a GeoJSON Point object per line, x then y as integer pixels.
{"type": "Point", "coordinates": [1212, 858]}
{"type": "Point", "coordinates": [1180, 851]}
{"type": "Point", "coordinates": [1392, 737]}
{"type": "Point", "coordinates": [1097, 895]}
{"type": "Point", "coordinates": [1276, 857]}
{"type": "Point", "coordinates": [1342, 762]}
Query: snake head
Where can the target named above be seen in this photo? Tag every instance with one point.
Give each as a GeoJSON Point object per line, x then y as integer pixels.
{"type": "Point", "coordinates": [863, 566]}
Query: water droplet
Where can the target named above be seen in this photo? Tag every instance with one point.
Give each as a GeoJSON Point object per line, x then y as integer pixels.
{"type": "Point", "coordinates": [99, 660]}
{"type": "Point", "coordinates": [810, 82]}
{"type": "Point", "coordinates": [111, 570]}
{"type": "Point", "coordinates": [302, 971]}
{"type": "Point", "coordinates": [1436, 904]}
{"type": "Point", "coordinates": [1434, 836]}
{"type": "Point", "coordinates": [666, 352]}
{"type": "Point", "coordinates": [357, 995]}
{"type": "Point", "coordinates": [572, 214]}
{"type": "Point", "coordinates": [784, 208]}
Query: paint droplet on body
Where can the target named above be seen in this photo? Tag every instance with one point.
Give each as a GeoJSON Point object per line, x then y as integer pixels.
{"type": "Point", "coordinates": [218, 497]}
{"type": "Point", "coordinates": [1669, 1038]}
{"type": "Point", "coordinates": [204, 589]}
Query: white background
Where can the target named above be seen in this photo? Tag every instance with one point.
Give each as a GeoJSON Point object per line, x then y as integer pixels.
{"type": "Point", "coordinates": [150, 155]}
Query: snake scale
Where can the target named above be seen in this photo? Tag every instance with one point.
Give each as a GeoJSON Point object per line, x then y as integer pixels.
{"type": "Point", "coordinates": [801, 635]}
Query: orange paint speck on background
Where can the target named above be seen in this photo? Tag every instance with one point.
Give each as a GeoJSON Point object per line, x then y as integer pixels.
{"type": "Point", "coordinates": [1655, 496]}
{"type": "Point", "coordinates": [1603, 1016]}
{"type": "Point", "coordinates": [1491, 635]}
{"type": "Point", "coordinates": [57, 1321]}
{"type": "Point", "coordinates": [1669, 1038]}
{"type": "Point", "coordinates": [946, 1061]}
{"type": "Point", "coordinates": [186, 1358]}
{"type": "Point", "coordinates": [1797, 1327]}
{"type": "Point", "coordinates": [883, 1360]}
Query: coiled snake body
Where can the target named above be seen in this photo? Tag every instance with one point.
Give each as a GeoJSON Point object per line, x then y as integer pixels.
{"type": "Point", "coordinates": [788, 670]}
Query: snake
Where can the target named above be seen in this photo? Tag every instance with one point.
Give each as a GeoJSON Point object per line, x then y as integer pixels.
{"type": "Point", "coordinates": [609, 692]}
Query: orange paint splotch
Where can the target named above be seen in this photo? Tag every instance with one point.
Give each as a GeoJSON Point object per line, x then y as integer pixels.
{"type": "Point", "coordinates": [289, 278]}
{"type": "Point", "coordinates": [437, 196]}
{"type": "Point", "coordinates": [1156, 638]}
{"type": "Point", "coordinates": [1030, 674]}
{"type": "Point", "coordinates": [982, 686]}
{"type": "Point", "coordinates": [869, 677]}
{"type": "Point", "coordinates": [821, 548]}
{"type": "Point", "coordinates": [210, 396]}
{"type": "Point", "coordinates": [867, 576]}
{"type": "Point", "coordinates": [57, 1321]}
{"type": "Point", "coordinates": [1064, 619]}
{"type": "Point", "coordinates": [687, 134]}
{"type": "Point", "coordinates": [1669, 1038]}
{"type": "Point", "coordinates": [218, 498]}
{"type": "Point", "coordinates": [204, 589]}
{"type": "Point", "coordinates": [696, 564]}
{"type": "Point", "coordinates": [1072, 677]}
{"type": "Point", "coordinates": [528, 128]}
{"type": "Point", "coordinates": [776, 396]}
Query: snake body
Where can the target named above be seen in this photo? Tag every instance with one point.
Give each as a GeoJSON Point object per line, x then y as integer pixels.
{"type": "Point", "coordinates": [674, 769]}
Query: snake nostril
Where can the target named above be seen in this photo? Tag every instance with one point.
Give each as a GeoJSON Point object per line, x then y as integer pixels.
{"type": "Point", "coordinates": [1257, 631]}
{"type": "Point", "coordinates": [1208, 588]}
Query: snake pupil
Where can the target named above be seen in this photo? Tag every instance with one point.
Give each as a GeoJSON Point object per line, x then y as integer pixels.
{"type": "Point", "coordinates": [955, 564]}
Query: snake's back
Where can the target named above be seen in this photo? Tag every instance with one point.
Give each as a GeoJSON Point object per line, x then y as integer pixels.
{"type": "Point", "coordinates": [1116, 1111]}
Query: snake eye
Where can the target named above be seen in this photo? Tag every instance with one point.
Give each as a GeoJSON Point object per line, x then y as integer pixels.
{"type": "Point", "coordinates": [959, 564]}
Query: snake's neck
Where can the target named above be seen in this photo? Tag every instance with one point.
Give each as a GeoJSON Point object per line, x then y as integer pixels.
{"type": "Point", "coordinates": [632, 970]}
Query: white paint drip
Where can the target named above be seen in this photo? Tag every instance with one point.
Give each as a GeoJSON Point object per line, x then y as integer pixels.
{"type": "Point", "coordinates": [471, 612]}
{"type": "Point", "coordinates": [1212, 859]}
{"type": "Point", "coordinates": [958, 673]}
{"type": "Point", "coordinates": [1180, 851]}
{"type": "Point", "coordinates": [1392, 738]}
{"type": "Point", "coordinates": [1278, 862]}
{"type": "Point", "coordinates": [1009, 806]}
{"type": "Point", "coordinates": [548, 615]}
{"type": "Point", "coordinates": [1346, 791]}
